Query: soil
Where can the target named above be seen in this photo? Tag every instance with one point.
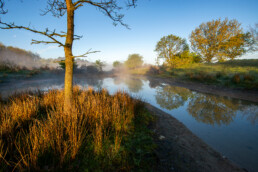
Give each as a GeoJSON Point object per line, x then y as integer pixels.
{"type": "Point", "coordinates": [178, 149]}
{"type": "Point", "coordinates": [249, 95]}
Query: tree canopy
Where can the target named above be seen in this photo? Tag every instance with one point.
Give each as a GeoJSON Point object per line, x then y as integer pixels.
{"type": "Point", "coordinates": [117, 64]}
{"type": "Point", "coordinates": [170, 45]}
{"type": "Point", "coordinates": [175, 52]}
{"type": "Point", "coordinates": [134, 61]}
{"type": "Point", "coordinates": [99, 64]}
{"type": "Point", "coordinates": [219, 39]}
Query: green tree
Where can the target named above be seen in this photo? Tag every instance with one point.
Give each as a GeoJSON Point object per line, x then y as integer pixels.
{"type": "Point", "coordinates": [170, 48]}
{"type": "Point", "coordinates": [99, 64]}
{"type": "Point", "coordinates": [59, 8]}
{"type": "Point", "coordinates": [117, 64]}
{"type": "Point", "coordinates": [134, 61]}
{"type": "Point", "coordinates": [62, 64]}
{"type": "Point", "coordinates": [219, 39]}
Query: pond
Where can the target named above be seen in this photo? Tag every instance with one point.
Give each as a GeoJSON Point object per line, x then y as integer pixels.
{"type": "Point", "coordinates": [228, 125]}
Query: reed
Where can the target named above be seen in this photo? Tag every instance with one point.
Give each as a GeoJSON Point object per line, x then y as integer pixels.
{"type": "Point", "coordinates": [38, 135]}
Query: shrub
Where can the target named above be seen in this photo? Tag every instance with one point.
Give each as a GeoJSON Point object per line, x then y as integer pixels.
{"type": "Point", "coordinates": [236, 78]}
{"type": "Point", "coordinates": [248, 77]}
{"type": "Point", "coordinates": [153, 70]}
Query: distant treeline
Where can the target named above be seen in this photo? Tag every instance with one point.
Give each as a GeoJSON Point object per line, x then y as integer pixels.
{"type": "Point", "coordinates": [19, 59]}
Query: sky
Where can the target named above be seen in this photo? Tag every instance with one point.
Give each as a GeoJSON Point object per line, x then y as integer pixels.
{"type": "Point", "coordinates": [149, 21]}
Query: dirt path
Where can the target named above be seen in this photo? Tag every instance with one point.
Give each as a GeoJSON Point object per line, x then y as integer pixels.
{"type": "Point", "coordinates": [180, 150]}
{"type": "Point", "coordinates": [249, 95]}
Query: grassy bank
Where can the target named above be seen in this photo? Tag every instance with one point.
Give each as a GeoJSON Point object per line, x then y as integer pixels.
{"type": "Point", "coordinates": [103, 133]}
{"type": "Point", "coordinates": [234, 74]}
{"type": "Point", "coordinates": [7, 70]}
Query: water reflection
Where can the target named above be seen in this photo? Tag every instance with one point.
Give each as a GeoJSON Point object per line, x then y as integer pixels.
{"type": "Point", "coordinates": [172, 97]}
{"type": "Point", "coordinates": [205, 108]}
{"type": "Point", "coordinates": [212, 109]}
{"type": "Point", "coordinates": [134, 84]}
{"type": "Point", "coordinates": [251, 114]}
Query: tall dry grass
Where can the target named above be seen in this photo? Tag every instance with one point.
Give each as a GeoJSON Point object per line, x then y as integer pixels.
{"type": "Point", "coordinates": [36, 134]}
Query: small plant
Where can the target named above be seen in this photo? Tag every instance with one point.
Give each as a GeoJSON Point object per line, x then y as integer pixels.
{"type": "Point", "coordinates": [248, 77]}
{"type": "Point", "coordinates": [236, 78]}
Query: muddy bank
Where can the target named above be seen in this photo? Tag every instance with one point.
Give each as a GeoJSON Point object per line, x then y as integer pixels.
{"type": "Point", "coordinates": [178, 149]}
{"type": "Point", "coordinates": [249, 95]}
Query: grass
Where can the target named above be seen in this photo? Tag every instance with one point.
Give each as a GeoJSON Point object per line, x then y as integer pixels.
{"type": "Point", "coordinates": [103, 133]}
{"type": "Point", "coordinates": [235, 74]}
{"type": "Point", "coordinates": [139, 71]}
{"type": "Point", "coordinates": [7, 70]}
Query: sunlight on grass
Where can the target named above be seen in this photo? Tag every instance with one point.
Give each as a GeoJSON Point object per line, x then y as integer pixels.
{"type": "Point", "coordinates": [36, 134]}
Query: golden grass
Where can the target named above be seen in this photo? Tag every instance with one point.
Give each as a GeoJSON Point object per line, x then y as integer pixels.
{"type": "Point", "coordinates": [36, 133]}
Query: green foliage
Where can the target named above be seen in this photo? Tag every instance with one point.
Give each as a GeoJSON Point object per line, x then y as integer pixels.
{"type": "Point", "coordinates": [244, 71]}
{"type": "Point", "coordinates": [134, 61]}
{"type": "Point", "coordinates": [99, 64]}
{"type": "Point", "coordinates": [175, 52]}
{"type": "Point", "coordinates": [62, 64]}
{"type": "Point", "coordinates": [219, 39]}
{"type": "Point", "coordinates": [117, 64]}
{"type": "Point", "coordinates": [170, 48]}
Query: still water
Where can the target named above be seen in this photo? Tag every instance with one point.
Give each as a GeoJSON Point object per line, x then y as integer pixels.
{"type": "Point", "coordinates": [228, 125]}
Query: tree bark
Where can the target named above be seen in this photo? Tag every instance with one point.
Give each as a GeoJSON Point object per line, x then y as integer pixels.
{"type": "Point", "coordinates": [68, 84]}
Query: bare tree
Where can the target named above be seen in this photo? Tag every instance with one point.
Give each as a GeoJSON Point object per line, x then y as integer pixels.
{"type": "Point", "coordinates": [58, 8]}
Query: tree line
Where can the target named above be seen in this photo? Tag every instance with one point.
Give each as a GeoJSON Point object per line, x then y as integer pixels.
{"type": "Point", "coordinates": [216, 40]}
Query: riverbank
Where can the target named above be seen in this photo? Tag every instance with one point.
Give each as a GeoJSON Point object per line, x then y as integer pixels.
{"type": "Point", "coordinates": [178, 149]}
{"type": "Point", "coordinates": [236, 74]}
{"type": "Point", "coordinates": [249, 95]}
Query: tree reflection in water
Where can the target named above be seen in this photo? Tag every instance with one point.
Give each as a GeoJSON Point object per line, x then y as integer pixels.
{"type": "Point", "coordinates": [211, 109]}
{"type": "Point", "coordinates": [172, 97]}
{"type": "Point", "coordinates": [134, 84]}
{"type": "Point", "coordinates": [251, 114]}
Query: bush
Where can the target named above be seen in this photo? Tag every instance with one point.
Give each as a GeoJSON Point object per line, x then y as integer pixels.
{"type": "Point", "coordinates": [249, 77]}
{"type": "Point", "coordinates": [236, 79]}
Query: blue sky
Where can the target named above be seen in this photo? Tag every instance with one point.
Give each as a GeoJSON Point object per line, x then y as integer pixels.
{"type": "Point", "coordinates": [149, 21]}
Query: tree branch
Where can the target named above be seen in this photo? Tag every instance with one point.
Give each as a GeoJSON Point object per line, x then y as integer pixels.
{"type": "Point", "coordinates": [85, 54]}
{"type": "Point", "coordinates": [56, 7]}
{"type": "Point", "coordinates": [47, 33]}
{"type": "Point", "coordinates": [109, 8]}
{"type": "Point", "coordinates": [2, 10]}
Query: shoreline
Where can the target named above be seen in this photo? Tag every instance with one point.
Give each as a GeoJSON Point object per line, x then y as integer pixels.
{"type": "Point", "coordinates": [248, 95]}
{"type": "Point", "coordinates": [178, 149]}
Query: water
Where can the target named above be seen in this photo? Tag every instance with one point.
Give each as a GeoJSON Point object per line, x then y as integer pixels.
{"type": "Point", "coordinates": [228, 125]}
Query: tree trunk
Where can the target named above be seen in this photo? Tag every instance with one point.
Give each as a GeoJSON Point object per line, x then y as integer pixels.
{"type": "Point", "coordinates": [68, 83]}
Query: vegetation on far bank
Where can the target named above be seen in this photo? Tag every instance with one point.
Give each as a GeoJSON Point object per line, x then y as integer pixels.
{"type": "Point", "coordinates": [102, 133]}
{"type": "Point", "coordinates": [215, 46]}
{"type": "Point", "coordinates": [234, 74]}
